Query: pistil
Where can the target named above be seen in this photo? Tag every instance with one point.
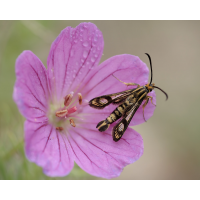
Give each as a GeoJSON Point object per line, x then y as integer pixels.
{"type": "Point", "coordinates": [72, 110]}
{"type": "Point", "coordinates": [63, 114]}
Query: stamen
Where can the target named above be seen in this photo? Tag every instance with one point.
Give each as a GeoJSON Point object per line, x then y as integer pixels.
{"type": "Point", "coordinates": [80, 98]}
{"type": "Point", "coordinates": [72, 110]}
{"type": "Point", "coordinates": [61, 113]}
{"type": "Point", "coordinates": [59, 128]}
{"type": "Point", "coordinates": [71, 121]}
{"type": "Point", "coordinates": [68, 98]}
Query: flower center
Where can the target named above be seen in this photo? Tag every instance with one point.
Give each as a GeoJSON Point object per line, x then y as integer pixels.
{"type": "Point", "coordinates": [62, 116]}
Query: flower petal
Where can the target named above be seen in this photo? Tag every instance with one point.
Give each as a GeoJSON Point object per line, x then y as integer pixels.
{"type": "Point", "coordinates": [100, 81]}
{"type": "Point", "coordinates": [99, 155]}
{"type": "Point", "coordinates": [73, 54]}
{"type": "Point", "coordinates": [31, 87]}
{"type": "Point", "coordinates": [127, 68]}
{"type": "Point", "coordinates": [48, 148]}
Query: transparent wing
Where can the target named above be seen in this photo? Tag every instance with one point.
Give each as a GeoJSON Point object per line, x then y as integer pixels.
{"type": "Point", "coordinates": [116, 98]}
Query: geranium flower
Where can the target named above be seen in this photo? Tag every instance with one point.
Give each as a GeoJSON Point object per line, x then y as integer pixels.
{"type": "Point", "coordinates": [60, 126]}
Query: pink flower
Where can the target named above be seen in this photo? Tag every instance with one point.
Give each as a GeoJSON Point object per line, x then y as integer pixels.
{"type": "Point", "coordinates": [60, 126]}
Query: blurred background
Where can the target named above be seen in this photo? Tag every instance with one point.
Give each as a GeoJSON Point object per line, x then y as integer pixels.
{"type": "Point", "coordinates": [171, 136]}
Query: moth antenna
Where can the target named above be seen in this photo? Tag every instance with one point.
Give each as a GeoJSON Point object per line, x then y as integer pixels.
{"type": "Point", "coordinates": [162, 91]}
{"type": "Point", "coordinates": [150, 67]}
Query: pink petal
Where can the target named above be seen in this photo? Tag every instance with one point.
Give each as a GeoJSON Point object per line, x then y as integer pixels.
{"type": "Point", "coordinates": [99, 155]}
{"type": "Point", "coordinates": [100, 81]}
{"type": "Point", "coordinates": [73, 54]}
{"type": "Point", "coordinates": [31, 87]}
{"type": "Point", "coordinates": [48, 148]}
{"type": "Point", "coordinates": [127, 68]}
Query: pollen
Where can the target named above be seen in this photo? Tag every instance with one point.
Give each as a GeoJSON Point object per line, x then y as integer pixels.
{"type": "Point", "coordinates": [68, 98]}
{"type": "Point", "coordinates": [80, 98]}
{"type": "Point", "coordinates": [59, 128]}
{"type": "Point", "coordinates": [72, 122]}
{"type": "Point", "coordinates": [61, 113]}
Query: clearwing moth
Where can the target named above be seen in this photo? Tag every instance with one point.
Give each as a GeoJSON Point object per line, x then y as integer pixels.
{"type": "Point", "coordinates": [129, 100]}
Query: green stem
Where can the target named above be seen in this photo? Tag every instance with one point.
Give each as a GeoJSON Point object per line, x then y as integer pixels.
{"type": "Point", "coordinates": [12, 151]}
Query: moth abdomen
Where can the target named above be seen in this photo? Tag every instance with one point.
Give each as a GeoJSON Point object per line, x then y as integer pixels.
{"type": "Point", "coordinates": [103, 125]}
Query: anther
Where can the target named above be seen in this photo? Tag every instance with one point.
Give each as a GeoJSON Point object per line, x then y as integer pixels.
{"type": "Point", "coordinates": [59, 128]}
{"type": "Point", "coordinates": [68, 98]}
{"type": "Point", "coordinates": [71, 121]}
{"type": "Point", "coordinates": [61, 113]}
{"type": "Point", "coordinates": [80, 98]}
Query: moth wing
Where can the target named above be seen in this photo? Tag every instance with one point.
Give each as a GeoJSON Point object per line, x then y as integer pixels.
{"type": "Point", "coordinates": [115, 98]}
{"type": "Point", "coordinates": [120, 128]}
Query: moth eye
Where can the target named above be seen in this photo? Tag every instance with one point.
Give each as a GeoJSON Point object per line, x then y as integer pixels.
{"type": "Point", "coordinates": [121, 127]}
{"type": "Point", "coordinates": [104, 101]}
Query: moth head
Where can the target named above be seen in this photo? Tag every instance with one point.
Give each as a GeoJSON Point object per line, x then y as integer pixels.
{"type": "Point", "coordinates": [150, 86]}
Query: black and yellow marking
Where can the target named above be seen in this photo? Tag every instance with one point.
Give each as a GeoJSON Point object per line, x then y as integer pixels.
{"type": "Point", "coordinates": [103, 125]}
{"type": "Point", "coordinates": [120, 111]}
{"type": "Point", "coordinates": [116, 98]}
{"type": "Point", "coordinates": [117, 112]}
{"type": "Point", "coordinates": [129, 100]}
{"type": "Point", "coordinates": [127, 110]}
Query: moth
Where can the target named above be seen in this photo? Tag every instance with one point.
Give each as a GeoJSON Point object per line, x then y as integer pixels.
{"type": "Point", "coordinates": [129, 100]}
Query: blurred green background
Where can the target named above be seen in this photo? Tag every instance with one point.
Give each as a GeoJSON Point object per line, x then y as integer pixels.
{"type": "Point", "coordinates": [171, 136]}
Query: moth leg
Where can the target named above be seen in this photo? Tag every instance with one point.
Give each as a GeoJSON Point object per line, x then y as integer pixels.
{"type": "Point", "coordinates": [128, 84]}
{"type": "Point", "coordinates": [149, 97]}
{"type": "Point", "coordinates": [144, 105]}
{"type": "Point", "coordinates": [146, 102]}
